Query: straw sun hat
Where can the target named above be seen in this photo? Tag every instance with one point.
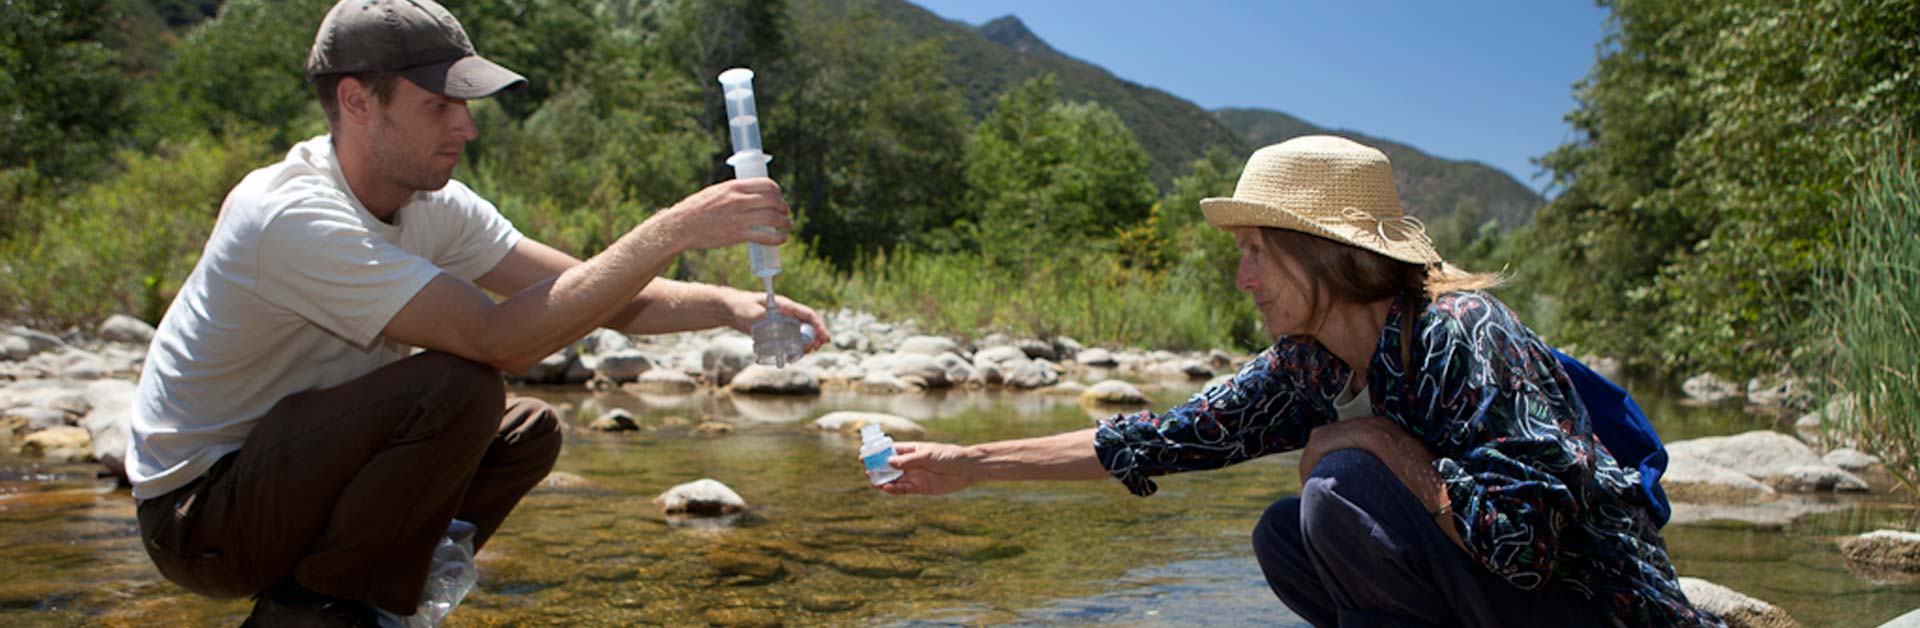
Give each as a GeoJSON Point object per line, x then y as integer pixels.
{"type": "Point", "coordinates": [1329, 187]}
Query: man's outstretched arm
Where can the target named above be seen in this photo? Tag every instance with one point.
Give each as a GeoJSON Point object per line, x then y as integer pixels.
{"type": "Point", "coordinates": [542, 316]}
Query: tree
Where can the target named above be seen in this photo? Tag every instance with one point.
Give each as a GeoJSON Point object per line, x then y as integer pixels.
{"type": "Point", "coordinates": [62, 101]}
{"type": "Point", "coordinates": [1046, 176]}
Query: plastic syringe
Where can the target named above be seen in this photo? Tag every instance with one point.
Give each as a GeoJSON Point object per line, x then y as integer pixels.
{"type": "Point", "coordinates": [777, 338]}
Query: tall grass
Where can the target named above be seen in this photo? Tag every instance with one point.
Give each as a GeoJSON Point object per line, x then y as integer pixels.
{"type": "Point", "coordinates": [1090, 297]}
{"type": "Point", "coordinates": [1875, 299]}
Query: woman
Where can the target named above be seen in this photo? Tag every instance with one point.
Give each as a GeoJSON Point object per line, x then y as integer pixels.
{"type": "Point", "coordinates": [1449, 474]}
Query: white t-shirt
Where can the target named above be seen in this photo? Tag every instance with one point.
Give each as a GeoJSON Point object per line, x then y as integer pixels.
{"type": "Point", "coordinates": [1353, 404]}
{"type": "Point", "coordinates": [290, 294]}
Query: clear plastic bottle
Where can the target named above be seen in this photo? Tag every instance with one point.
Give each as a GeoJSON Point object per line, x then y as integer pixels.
{"type": "Point", "coordinates": [449, 580]}
{"type": "Point", "coordinates": [875, 448]}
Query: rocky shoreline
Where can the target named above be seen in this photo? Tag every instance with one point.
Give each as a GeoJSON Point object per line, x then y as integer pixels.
{"type": "Point", "coordinates": [67, 398]}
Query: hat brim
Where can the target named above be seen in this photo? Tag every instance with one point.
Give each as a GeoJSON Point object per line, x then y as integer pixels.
{"type": "Point", "coordinates": [1230, 213]}
{"type": "Point", "coordinates": [466, 78]}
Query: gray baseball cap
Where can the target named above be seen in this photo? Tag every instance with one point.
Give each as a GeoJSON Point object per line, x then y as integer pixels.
{"type": "Point", "coordinates": [417, 38]}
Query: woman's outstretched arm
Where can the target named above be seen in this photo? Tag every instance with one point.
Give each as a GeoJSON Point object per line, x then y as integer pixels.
{"type": "Point", "coordinates": [940, 468]}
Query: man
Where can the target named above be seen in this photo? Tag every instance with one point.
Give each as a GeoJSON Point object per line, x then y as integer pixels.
{"type": "Point", "coordinates": [287, 442]}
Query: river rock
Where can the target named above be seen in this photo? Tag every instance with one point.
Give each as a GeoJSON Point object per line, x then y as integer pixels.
{"type": "Point", "coordinates": [65, 444]}
{"type": "Point", "coordinates": [761, 379]}
{"type": "Point", "coordinates": [959, 373]}
{"type": "Point", "coordinates": [726, 357]}
{"type": "Point", "coordinates": [927, 345]}
{"type": "Point", "coordinates": [624, 365]}
{"type": "Point", "coordinates": [1910, 620]}
{"type": "Point", "coordinates": [1884, 549]}
{"type": "Point", "coordinates": [1739, 610]}
{"type": "Point", "coordinates": [1000, 356]}
{"type": "Point", "coordinates": [746, 565]}
{"type": "Point", "coordinates": [880, 383]}
{"type": "Point", "coordinates": [873, 564]}
{"type": "Point", "coordinates": [615, 420]}
{"type": "Point", "coordinates": [850, 422]}
{"type": "Point", "coordinates": [1218, 380]}
{"type": "Point", "coordinates": [108, 424]}
{"type": "Point", "coordinates": [549, 370]}
{"type": "Point", "coordinates": [1217, 359]}
{"type": "Point", "coordinates": [905, 366]}
{"type": "Point", "coordinates": [127, 329]}
{"type": "Point", "coordinates": [1692, 480]}
{"type": "Point", "coordinates": [1181, 369]}
{"type": "Point", "coordinates": [1066, 347]}
{"type": "Point", "coordinates": [1709, 388]}
{"type": "Point", "coordinates": [988, 375]}
{"type": "Point", "coordinates": [1033, 375]}
{"type": "Point", "coordinates": [1778, 392]}
{"type": "Point", "coordinates": [667, 381]}
{"type": "Point", "coordinates": [37, 341]}
{"type": "Point", "coordinates": [603, 341]}
{"type": "Point", "coordinates": [1850, 459]}
{"type": "Point", "coordinates": [1776, 459]}
{"type": "Point", "coordinates": [1037, 349]}
{"type": "Point", "coordinates": [14, 347]}
{"type": "Point", "coordinates": [704, 497]}
{"type": "Point", "coordinates": [1097, 357]}
{"type": "Point", "coordinates": [1114, 391]}
{"type": "Point", "coordinates": [713, 428]}
{"type": "Point", "coordinates": [565, 482]}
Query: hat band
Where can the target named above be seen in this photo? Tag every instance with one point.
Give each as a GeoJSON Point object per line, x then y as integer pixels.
{"type": "Point", "coordinates": [1409, 227]}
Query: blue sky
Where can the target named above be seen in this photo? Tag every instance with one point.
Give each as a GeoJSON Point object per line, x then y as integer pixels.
{"type": "Point", "coordinates": [1480, 80]}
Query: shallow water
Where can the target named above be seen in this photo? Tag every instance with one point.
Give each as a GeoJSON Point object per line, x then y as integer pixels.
{"type": "Point", "coordinates": [818, 547]}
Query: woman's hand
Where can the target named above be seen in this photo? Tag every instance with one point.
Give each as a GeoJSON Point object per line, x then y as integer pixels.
{"type": "Point", "coordinates": [931, 469]}
{"type": "Point", "coordinates": [1406, 457]}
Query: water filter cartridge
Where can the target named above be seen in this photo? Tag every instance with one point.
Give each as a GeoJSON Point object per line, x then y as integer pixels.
{"type": "Point", "coordinates": [875, 448]}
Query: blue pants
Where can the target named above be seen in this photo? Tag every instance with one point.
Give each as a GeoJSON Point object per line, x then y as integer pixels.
{"type": "Point", "coordinates": [1357, 548]}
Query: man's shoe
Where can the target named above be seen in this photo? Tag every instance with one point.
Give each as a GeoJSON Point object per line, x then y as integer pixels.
{"type": "Point", "coordinates": [289, 605]}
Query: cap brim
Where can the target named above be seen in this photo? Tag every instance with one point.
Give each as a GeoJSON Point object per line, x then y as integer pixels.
{"type": "Point", "coordinates": [465, 78]}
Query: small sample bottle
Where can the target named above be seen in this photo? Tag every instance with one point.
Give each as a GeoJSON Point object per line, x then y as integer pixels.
{"type": "Point", "coordinates": [875, 448]}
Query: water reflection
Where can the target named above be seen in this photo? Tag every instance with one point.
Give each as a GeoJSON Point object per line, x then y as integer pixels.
{"type": "Point", "coordinates": [818, 547]}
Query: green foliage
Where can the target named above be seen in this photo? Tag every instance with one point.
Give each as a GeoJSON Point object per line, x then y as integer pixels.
{"type": "Point", "coordinates": [870, 133]}
{"type": "Point", "coordinates": [61, 98]}
{"type": "Point", "coordinates": [1047, 176]}
{"type": "Point", "coordinates": [126, 244]}
{"type": "Point", "coordinates": [1693, 212]}
{"type": "Point", "coordinates": [245, 69]}
{"type": "Point", "coordinates": [1872, 304]}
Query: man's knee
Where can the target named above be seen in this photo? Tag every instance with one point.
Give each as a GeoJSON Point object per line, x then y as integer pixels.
{"type": "Point", "coordinates": [468, 395]}
{"type": "Point", "coordinates": [533, 425]}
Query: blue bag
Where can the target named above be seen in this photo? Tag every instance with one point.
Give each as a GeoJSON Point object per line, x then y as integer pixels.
{"type": "Point", "coordinates": [1624, 430]}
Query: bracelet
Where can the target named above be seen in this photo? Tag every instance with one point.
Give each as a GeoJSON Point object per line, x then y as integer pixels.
{"type": "Point", "coordinates": [1446, 510]}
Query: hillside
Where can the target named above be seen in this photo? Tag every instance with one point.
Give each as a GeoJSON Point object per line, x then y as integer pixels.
{"type": "Point", "coordinates": [1430, 186]}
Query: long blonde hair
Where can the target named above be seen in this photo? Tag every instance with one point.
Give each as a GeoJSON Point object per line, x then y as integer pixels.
{"type": "Point", "coordinates": [1352, 274]}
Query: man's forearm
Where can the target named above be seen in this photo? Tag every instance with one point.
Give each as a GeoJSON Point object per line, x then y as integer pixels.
{"type": "Point", "coordinates": [551, 314]}
{"type": "Point", "coordinates": [668, 306]}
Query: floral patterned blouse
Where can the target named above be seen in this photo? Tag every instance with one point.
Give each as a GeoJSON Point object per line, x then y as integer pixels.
{"type": "Point", "coordinates": [1535, 496]}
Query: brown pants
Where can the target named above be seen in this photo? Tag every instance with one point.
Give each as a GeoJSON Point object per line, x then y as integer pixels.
{"type": "Point", "coordinates": [349, 489]}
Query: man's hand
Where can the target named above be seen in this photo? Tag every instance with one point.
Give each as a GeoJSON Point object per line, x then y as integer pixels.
{"type": "Point", "coordinates": [726, 213]}
{"type": "Point", "coordinates": [930, 469]}
{"type": "Point", "coordinates": [748, 308]}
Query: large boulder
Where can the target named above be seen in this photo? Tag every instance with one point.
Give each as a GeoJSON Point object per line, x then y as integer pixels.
{"type": "Point", "coordinates": [603, 341]}
{"type": "Point", "coordinates": [911, 365]}
{"type": "Point", "coordinates": [1850, 459]}
{"type": "Point", "coordinates": [615, 420]}
{"type": "Point", "coordinates": [1695, 481]}
{"type": "Point", "coordinates": [1003, 356]}
{"type": "Point", "coordinates": [127, 329]}
{"type": "Point", "coordinates": [704, 497]}
{"type": "Point", "coordinates": [880, 383]}
{"type": "Point", "coordinates": [1739, 610]}
{"type": "Point", "coordinates": [548, 370]}
{"type": "Point", "coordinates": [37, 341]}
{"type": "Point", "coordinates": [850, 422]}
{"type": "Point", "coordinates": [1776, 459]}
{"type": "Point", "coordinates": [1037, 349]}
{"type": "Point", "coordinates": [760, 379]}
{"type": "Point", "coordinates": [15, 348]}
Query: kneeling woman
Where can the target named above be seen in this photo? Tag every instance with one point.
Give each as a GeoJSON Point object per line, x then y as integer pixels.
{"type": "Point", "coordinates": [1450, 476]}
